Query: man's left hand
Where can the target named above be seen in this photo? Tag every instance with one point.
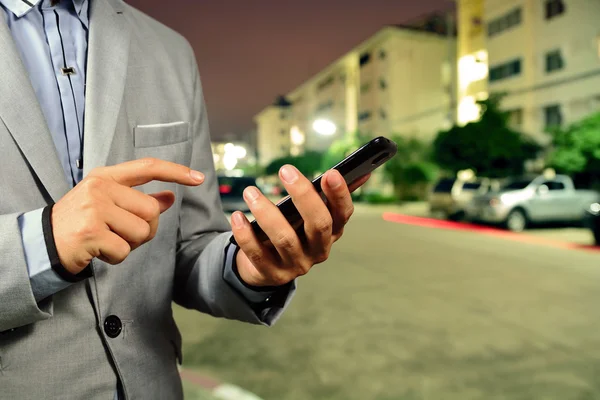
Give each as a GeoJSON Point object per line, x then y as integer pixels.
{"type": "Point", "coordinates": [292, 254]}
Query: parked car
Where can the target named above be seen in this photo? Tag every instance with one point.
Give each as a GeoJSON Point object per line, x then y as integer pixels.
{"type": "Point", "coordinates": [231, 189]}
{"type": "Point", "coordinates": [532, 200]}
{"type": "Point", "coordinates": [592, 221]}
{"type": "Point", "coordinates": [450, 196]}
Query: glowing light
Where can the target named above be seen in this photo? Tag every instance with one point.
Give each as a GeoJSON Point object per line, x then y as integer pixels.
{"type": "Point", "coordinates": [472, 68]}
{"type": "Point", "coordinates": [468, 110]}
{"type": "Point", "coordinates": [239, 152]}
{"type": "Point", "coordinates": [229, 161]}
{"type": "Point", "coordinates": [324, 127]}
{"type": "Point", "coordinates": [296, 136]}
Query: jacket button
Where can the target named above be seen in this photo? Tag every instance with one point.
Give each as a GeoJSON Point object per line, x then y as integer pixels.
{"type": "Point", "coordinates": [112, 326]}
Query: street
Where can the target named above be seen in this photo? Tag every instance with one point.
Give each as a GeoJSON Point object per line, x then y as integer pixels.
{"type": "Point", "coordinates": [409, 312]}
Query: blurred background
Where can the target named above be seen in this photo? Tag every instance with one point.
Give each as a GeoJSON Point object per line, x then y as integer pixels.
{"type": "Point", "coordinates": [470, 269]}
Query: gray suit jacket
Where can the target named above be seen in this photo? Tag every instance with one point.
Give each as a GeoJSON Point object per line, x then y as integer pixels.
{"type": "Point", "coordinates": [143, 99]}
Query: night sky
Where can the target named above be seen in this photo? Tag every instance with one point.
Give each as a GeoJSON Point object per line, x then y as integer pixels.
{"type": "Point", "coordinates": [249, 51]}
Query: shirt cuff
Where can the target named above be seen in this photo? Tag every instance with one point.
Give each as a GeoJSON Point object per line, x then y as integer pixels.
{"type": "Point", "coordinates": [44, 281]}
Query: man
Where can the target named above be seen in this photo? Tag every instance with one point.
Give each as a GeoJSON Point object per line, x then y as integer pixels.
{"type": "Point", "coordinates": [74, 323]}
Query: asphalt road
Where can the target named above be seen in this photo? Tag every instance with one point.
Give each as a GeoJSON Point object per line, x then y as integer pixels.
{"type": "Point", "coordinates": [409, 312]}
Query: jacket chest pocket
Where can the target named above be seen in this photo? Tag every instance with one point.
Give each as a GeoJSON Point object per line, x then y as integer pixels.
{"type": "Point", "coordinates": [169, 142]}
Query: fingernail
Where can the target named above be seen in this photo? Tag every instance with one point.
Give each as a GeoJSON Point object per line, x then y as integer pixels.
{"type": "Point", "coordinates": [289, 174]}
{"type": "Point", "coordinates": [237, 219]}
{"type": "Point", "coordinates": [197, 176]}
{"type": "Point", "coordinates": [334, 179]}
{"type": "Point", "coordinates": [252, 194]}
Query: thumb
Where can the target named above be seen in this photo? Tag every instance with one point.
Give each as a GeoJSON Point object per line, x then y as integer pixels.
{"type": "Point", "coordinates": [165, 198]}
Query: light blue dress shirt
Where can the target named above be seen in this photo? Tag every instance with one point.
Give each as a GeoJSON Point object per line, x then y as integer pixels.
{"type": "Point", "coordinates": [51, 36]}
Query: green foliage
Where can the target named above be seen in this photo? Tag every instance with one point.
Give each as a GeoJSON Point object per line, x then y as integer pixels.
{"type": "Point", "coordinates": [253, 170]}
{"type": "Point", "coordinates": [342, 148]}
{"type": "Point", "coordinates": [576, 148]}
{"type": "Point", "coordinates": [411, 164]}
{"type": "Point", "coordinates": [308, 163]}
{"type": "Point", "coordinates": [488, 146]}
{"type": "Point", "coordinates": [378, 198]}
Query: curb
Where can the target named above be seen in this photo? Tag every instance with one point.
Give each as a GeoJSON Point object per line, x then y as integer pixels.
{"type": "Point", "coordinates": [485, 230]}
{"type": "Point", "coordinates": [219, 390]}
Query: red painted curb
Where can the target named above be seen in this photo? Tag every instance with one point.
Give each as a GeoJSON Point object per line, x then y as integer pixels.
{"type": "Point", "coordinates": [199, 380]}
{"type": "Point", "coordinates": [485, 230]}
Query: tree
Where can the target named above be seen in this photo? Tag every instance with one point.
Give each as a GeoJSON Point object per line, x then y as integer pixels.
{"type": "Point", "coordinates": [308, 163]}
{"type": "Point", "coordinates": [576, 148]}
{"type": "Point", "coordinates": [341, 148]}
{"type": "Point", "coordinates": [488, 146]}
{"type": "Point", "coordinates": [410, 170]}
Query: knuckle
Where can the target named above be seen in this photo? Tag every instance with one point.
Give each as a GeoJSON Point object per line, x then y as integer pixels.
{"type": "Point", "coordinates": [322, 256]}
{"type": "Point", "coordinates": [348, 213]}
{"type": "Point", "coordinates": [254, 257]}
{"type": "Point", "coordinates": [145, 233]}
{"type": "Point", "coordinates": [323, 224]}
{"type": "Point", "coordinates": [303, 268]}
{"type": "Point", "coordinates": [93, 182]}
{"type": "Point", "coordinates": [148, 162]}
{"type": "Point", "coordinates": [285, 241]}
{"type": "Point", "coordinates": [122, 252]}
{"type": "Point", "coordinates": [153, 208]}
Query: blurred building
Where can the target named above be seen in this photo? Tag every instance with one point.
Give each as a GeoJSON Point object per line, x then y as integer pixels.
{"type": "Point", "coordinates": [231, 157]}
{"type": "Point", "coordinates": [397, 81]}
{"type": "Point", "coordinates": [544, 54]}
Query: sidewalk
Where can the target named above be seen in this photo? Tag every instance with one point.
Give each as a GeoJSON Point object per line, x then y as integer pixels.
{"type": "Point", "coordinates": [197, 386]}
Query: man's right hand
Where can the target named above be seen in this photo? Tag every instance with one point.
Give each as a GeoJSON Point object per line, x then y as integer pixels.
{"type": "Point", "coordinates": [103, 217]}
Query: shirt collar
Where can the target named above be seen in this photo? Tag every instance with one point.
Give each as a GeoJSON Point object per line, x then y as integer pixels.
{"type": "Point", "coordinates": [22, 7]}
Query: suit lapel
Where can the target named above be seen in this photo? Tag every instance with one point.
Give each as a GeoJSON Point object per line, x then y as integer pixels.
{"type": "Point", "coordinates": [108, 52]}
{"type": "Point", "coordinates": [22, 115]}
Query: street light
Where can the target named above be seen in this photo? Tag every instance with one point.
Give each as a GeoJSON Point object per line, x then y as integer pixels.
{"type": "Point", "coordinates": [324, 127]}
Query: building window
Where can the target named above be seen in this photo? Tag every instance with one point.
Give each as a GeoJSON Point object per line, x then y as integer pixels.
{"type": "Point", "coordinates": [325, 83]}
{"type": "Point", "coordinates": [364, 59]}
{"type": "Point", "coordinates": [382, 84]}
{"type": "Point", "coordinates": [515, 118]}
{"type": "Point", "coordinates": [382, 113]}
{"type": "Point", "coordinates": [364, 116]}
{"type": "Point", "coordinates": [552, 116]}
{"type": "Point", "coordinates": [505, 70]}
{"type": "Point", "coordinates": [325, 106]}
{"type": "Point", "coordinates": [282, 115]}
{"type": "Point", "coordinates": [365, 87]}
{"type": "Point", "coordinates": [554, 8]}
{"type": "Point", "coordinates": [282, 132]}
{"type": "Point", "coordinates": [554, 61]}
{"type": "Point", "coordinates": [505, 22]}
{"type": "Point", "coordinates": [382, 54]}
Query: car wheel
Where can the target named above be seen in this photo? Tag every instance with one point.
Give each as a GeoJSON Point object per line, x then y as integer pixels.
{"type": "Point", "coordinates": [516, 221]}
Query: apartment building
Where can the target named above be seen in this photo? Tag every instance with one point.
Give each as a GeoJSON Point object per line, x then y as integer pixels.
{"type": "Point", "coordinates": [544, 54]}
{"type": "Point", "coordinates": [400, 80]}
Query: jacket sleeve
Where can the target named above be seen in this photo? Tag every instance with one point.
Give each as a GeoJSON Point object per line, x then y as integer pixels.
{"type": "Point", "coordinates": [204, 235]}
{"type": "Point", "coordinates": [18, 306]}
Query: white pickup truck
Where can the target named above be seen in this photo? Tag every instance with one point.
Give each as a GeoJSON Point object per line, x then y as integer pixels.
{"type": "Point", "coordinates": [538, 200]}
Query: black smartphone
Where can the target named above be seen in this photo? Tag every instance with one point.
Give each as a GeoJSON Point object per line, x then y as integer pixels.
{"type": "Point", "coordinates": [358, 164]}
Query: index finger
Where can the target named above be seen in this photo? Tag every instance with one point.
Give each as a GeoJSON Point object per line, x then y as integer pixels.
{"type": "Point", "coordinates": [144, 170]}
